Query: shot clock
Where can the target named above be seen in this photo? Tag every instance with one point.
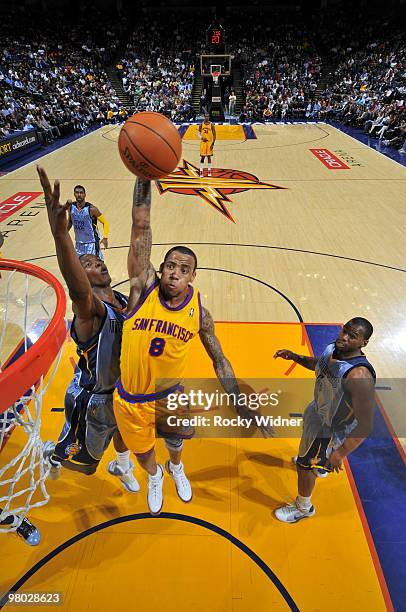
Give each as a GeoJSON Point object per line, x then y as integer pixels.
{"type": "Point", "coordinates": [215, 39]}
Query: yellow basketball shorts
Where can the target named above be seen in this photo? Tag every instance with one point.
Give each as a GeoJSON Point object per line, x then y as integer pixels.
{"type": "Point", "coordinates": [136, 423]}
{"type": "Point", "coordinates": [206, 149]}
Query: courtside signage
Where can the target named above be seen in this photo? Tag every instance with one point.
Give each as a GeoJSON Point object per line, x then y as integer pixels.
{"type": "Point", "coordinates": [17, 144]}
{"type": "Point", "coordinates": [329, 159]}
{"type": "Point", "coordinates": [15, 202]}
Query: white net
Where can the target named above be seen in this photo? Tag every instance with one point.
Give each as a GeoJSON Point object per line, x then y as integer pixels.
{"type": "Point", "coordinates": [215, 70]}
{"type": "Point", "coordinates": [24, 457]}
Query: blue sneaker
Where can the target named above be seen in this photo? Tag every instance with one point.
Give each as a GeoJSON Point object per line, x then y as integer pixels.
{"type": "Point", "coordinates": [28, 532]}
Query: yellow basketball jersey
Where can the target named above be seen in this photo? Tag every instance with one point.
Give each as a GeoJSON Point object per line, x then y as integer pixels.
{"type": "Point", "coordinates": [156, 341]}
{"type": "Point", "coordinates": [207, 131]}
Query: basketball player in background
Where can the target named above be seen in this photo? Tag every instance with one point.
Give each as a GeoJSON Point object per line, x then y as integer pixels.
{"type": "Point", "coordinates": [96, 329]}
{"type": "Point", "coordinates": [83, 216]}
{"type": "Point", "coordinates": [207, 134]}
{"type": "Point", "coordinates": [341, 415]}
{"type": "Point", "coordinates": [165, 315]}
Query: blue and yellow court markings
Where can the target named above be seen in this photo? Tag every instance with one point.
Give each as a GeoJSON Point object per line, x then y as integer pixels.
{"type": "Point", "coordinates": [237, 484]}
{"type": "Point", "coordinates": [376, 472]}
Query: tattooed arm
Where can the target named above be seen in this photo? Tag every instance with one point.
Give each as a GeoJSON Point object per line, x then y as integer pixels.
{"type": "Point", "coordinates": [224, 370]}
{"type": "Point", "coordinates": [140, 269]}
{"type": "Point", "coordinates": [222, 366]}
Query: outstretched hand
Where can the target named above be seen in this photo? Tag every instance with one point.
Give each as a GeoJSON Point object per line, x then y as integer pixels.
{"type": "Point", "coordinates": [58, 219]}
{"type": "Point", "coordinates": [285, 354]}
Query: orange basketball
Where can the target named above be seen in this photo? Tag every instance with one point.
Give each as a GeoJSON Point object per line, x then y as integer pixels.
{"type": "Point", "coordinates": [150, 145]}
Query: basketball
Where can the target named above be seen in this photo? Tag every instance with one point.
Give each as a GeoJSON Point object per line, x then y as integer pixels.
{"type": "Point", "coordinates": [150, 145]}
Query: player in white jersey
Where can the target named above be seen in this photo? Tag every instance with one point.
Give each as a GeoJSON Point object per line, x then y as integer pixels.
{"type": "Point", "coordinates": [339, 418]}
{"type": "Point", "coordinates": [84, 217]}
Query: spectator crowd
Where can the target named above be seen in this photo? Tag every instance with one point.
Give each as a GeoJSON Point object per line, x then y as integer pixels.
{"type": "Point", "coordinates": [53, 81]}
{"type": "Point", "coordinates": [332, 68]}
{"type": "Point", "coordinates": [366, 87]}
{"type": "Point", "coordinates": [157, 69]}
{"type": "Point", "coordinates": [368, 90]}
{"type": "Point", "coordinates": [281, 70]}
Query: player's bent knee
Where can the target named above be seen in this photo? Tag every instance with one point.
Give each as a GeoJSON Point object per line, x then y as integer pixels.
{"type": "Point", "coordinates": [143, 457]}
{"type": "Point", "coordinates": [174, 444]}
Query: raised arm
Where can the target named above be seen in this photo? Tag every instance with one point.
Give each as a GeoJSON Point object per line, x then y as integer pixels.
{"type": "Point", "coordinates": [307, 362]}
{"type": "Point", "coordinates": [85, 305]}
{"type": "Point", "coordinates": [140, 270]}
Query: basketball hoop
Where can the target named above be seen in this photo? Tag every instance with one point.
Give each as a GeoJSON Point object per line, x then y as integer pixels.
{"type": "Point", "coordinates": [22, 477]}
{"type": "Point", "coordinates": [215, 76]}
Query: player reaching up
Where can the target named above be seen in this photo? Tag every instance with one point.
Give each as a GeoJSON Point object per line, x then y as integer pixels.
{"type": "Point", "coordinates": [96, 329]}
{"type": "Point", "coordinates": [165, 315]}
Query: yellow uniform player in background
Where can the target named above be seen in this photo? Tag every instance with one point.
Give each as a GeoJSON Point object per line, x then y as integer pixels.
{"type": "Point", "coordinates": [207, 133]}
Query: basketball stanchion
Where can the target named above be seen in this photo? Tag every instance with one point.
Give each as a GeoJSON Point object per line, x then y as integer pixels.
{"type": "Point", "coordinates": [22, 387]}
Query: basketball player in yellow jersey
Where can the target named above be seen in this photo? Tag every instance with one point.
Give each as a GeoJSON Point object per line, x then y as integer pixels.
{"type": "Point", "coordinates": [207, 133]}
{"type": "Point", "coordinates": [165, 316]}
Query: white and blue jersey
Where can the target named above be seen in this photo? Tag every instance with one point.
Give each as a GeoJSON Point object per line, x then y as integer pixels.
{"type": "Point", "coordinates": [89, 416]}
{"type": "Point", "coordinates": [329, 418]}
{"type": "Point", "coordinates": [87, 238]}
{"type": "Point", "coordinates": [332, 401]}
{"type": "Point", "coordinates": [99, 357]}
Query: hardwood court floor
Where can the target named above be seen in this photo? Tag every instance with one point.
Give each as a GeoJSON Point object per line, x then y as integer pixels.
{"type": "Point", "coordinates": [310, 245]}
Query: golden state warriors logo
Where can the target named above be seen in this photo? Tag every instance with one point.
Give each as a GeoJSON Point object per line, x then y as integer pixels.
{"type": "Point", "coordinates": [213, 189]}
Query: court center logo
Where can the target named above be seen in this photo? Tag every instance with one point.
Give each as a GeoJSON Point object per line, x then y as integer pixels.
{"type": "Point", "coordinates": [213, 189]}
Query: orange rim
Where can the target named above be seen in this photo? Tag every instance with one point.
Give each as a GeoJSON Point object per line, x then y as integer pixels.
{"type": "Point", "coordinates": [17, 378]}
